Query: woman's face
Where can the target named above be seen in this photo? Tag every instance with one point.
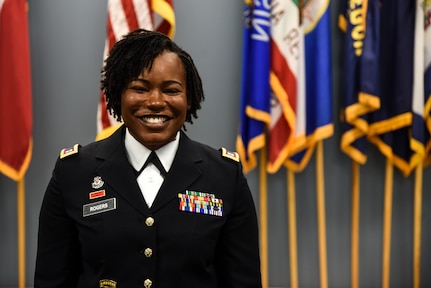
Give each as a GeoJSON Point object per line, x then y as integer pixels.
{"type": "Point", "coordinates": [154, 106]}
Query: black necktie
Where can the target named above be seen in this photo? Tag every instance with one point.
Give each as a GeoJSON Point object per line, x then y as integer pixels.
{"type": "Point", "coordinates": [156, 161]}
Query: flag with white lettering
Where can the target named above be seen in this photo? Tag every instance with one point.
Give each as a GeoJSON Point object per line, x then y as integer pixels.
{"type": "Point", "coordinates": [255, 88]}
{"type": "Point", "coordinates": [125, 16]}
{"type": "Point", "coordinates": [15, 89]}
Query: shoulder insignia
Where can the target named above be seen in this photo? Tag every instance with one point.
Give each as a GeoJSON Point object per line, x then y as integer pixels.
{"type": "Point", "coordinates": [69, 151]}
{"type": "Point", "coordinates": [231, 155]}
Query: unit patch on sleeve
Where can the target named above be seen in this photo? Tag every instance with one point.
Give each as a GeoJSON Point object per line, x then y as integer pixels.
{"type": "Point", "coordinates": [69, 151]}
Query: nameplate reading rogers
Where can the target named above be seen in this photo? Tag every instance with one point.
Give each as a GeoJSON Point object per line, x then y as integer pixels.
{"type": "Point", "coordinates": [99, 207]}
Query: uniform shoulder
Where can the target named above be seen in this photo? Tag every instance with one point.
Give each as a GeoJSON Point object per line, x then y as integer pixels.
{"type": "Point", "coordinates": [229, 154]}
{"type": "Point", "coordinates": [69, 151]}
{"type": "Point", "coordinates": [219, 154]}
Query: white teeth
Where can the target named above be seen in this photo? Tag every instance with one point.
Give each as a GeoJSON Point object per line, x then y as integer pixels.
{"type": "Point", "coordinates": [154, 120]}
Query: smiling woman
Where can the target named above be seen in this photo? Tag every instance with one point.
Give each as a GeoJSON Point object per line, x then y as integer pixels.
{"type": "Point", "coordinates": [136, 54]}
{"type": "Point", "coordinates": [154, 106]}
{"type": "Point", "coordinates": [163, 209]}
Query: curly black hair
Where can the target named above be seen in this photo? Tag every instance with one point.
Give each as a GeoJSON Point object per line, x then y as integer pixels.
{"type": "Point", "coordinates": [136, 52]}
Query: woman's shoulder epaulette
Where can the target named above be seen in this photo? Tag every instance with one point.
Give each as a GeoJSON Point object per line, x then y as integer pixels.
{"type": "Point", "coordinates": [229, 154]}
{"type": "Point", "coordinates": [66, 152]}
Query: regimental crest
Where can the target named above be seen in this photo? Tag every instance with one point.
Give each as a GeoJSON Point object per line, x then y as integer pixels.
{"type": "Point", "coordinates": [97, 182]}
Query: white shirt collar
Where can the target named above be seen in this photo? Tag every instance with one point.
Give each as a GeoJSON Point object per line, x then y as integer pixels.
{"type": "Point", "coordinates": [138, 153]}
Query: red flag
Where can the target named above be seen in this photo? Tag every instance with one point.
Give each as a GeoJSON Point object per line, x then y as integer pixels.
{"type": "Point", "coordinates": [15, 90]}
{"type": "Point", "coordinates": [125, 16]}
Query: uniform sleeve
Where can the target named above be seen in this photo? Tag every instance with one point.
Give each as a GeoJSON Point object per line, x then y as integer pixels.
{"type": "Point", "coordinates": [57, 261]}
{"type": "Point", "coordinates": [238, 259]}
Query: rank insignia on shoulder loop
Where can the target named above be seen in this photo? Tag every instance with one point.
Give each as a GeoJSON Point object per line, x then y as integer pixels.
{"type": "Point", "coordinates": [105, 283]}
{"type": "Point", "coordinates": [69, 151]}
{"type": "Point", "coordinates": [231, 155]}
{"type": "Point", "coordinates": [97, 182]}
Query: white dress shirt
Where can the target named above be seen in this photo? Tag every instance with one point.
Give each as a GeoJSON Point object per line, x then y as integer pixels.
{"type": "Point", "coordinates": [150, 180]}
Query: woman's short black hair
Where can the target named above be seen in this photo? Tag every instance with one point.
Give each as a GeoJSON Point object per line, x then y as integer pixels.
{"type": "Point", "coordinates": [136, 52]}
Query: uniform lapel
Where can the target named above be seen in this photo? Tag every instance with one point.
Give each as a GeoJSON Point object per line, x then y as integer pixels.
{"type": "Point", "coordinates": [186, 168]}
{"type": "Point", "coordinates": [117, 172]}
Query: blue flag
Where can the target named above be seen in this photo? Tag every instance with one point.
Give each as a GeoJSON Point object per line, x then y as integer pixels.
{"type": "Point", "coordinates": [390, 126]}
{"type": "Point", "coordinates": [356, 105]}
{"type": "Point", "coordinates": [255, 87]}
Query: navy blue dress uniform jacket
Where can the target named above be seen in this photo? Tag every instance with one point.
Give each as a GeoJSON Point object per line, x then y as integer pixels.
{"type": "Point", "coordinates": [95, 229]}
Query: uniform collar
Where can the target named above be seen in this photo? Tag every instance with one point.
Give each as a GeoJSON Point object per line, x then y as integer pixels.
{"type": "Point", "coordinates": [138, 153]}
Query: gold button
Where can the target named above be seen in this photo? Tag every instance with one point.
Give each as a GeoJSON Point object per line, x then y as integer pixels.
{"type": "Point", "coordinates": [148, 283]}
{"type": "Point", "coordinates": [148, 252]}
{"type": "Point", "coordinates": [149, 221]}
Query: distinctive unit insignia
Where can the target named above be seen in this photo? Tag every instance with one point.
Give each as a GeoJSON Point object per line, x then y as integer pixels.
{"type": "Point", "coordinates": [97, 182]}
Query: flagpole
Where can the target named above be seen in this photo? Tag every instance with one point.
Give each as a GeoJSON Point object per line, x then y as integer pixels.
{"type": "Point", "coordinates": [263, 204]}
{"type": "Point", "coordinates": [293, 247]}
{"type": "Point", "coordinates": [321, 219]}
{"type": "Point", "coordinates": [417, 226]}
{"type": "Point", "coordinates": [387, 225]}
{"type": "Point", "coordinates": [21, 232]}
{"type": "Point", "coordinates": [355, 225]}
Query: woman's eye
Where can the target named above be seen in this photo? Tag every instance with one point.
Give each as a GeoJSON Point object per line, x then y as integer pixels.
{"type": "Point", "coordinates": [139, 89]}
{"type": "Point", "coordinates": [172, 91]}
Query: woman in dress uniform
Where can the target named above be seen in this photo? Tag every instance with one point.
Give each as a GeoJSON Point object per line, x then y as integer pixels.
{"type": "Point", "coordinates": [148, 206]}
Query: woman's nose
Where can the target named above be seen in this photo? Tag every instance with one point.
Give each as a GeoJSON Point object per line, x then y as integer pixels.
{"type": "Point", "coordinates": [156, 98]}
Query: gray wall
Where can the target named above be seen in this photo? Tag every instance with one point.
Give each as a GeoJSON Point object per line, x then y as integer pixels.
{"type": "Point", "coordinates": [67, 39]}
